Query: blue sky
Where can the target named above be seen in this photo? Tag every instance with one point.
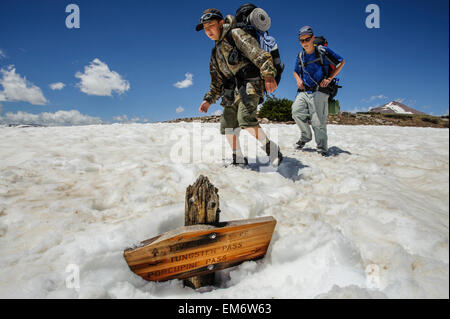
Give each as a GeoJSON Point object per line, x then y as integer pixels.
{"type": "Point", "coordinates": [146, 47]}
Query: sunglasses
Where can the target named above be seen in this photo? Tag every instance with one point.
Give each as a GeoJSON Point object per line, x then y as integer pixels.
{"type": "Point", "coordinates": [305, 40]}
{"type": "Point", "coordinates": [209, 16]}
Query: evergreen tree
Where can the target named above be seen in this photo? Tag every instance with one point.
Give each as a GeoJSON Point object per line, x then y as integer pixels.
{"type": "Point", "coordinates": [276, 109]}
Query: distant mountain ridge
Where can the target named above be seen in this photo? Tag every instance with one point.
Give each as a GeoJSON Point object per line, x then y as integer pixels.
{"type": "Point", "coordinates": [396, 107]}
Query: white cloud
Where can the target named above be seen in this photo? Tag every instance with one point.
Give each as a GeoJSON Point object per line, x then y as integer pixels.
{"type": "Point", "coordinates": [124, 119]}
{"type": "Point", "coordinates": [98, 79]}
{"type": "Point", "coordinates": [2, 54]}
{"type": "Point", "coordinates": [218, 112]}
{"type": "Point", "coordinates": [57, 86]}
{"type": "Point", "coordinates": [179, 109]}
{"type": "Point", "coordinates": [187, 82]}
{"type": "Point", "coordinates": [121, 118]}
{"type": "Point", "coordinates": [16, 88]}
{"type": "Point", "coordinates": [357, 109]}
{"type": "Point", "coordinates": [375, 97]}
{"type": "Point", "coordinates": [59, 118]}
{"type": "Point", "coordinates": [1, 109]}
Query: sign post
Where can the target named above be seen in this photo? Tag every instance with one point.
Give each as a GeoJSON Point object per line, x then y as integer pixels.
{"type": "Point", "coordinates": [201, 207]}
{"type": "Point", "coordinates": [202, 247]}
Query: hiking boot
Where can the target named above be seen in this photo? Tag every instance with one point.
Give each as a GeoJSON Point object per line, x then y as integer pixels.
{"type": "Point", "coordinates": [238, 160]}
{"type": "Point", "coordinates": [323, 153]}
{"type": "Point", "coordinates": [275, 159]}
{"type": "Point", "coordinates": [300, 144]}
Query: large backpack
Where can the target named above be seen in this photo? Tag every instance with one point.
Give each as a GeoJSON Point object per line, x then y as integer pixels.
{"type": "Point", "coordinates": [256, 22]}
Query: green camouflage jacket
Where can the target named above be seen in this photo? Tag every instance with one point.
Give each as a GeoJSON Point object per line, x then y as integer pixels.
{"type": "Point", "coordinates": [219, 67]}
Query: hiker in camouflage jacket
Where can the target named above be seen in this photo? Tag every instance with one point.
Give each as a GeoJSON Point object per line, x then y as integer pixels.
{"type": "Point", "coordinates": [239, 111]}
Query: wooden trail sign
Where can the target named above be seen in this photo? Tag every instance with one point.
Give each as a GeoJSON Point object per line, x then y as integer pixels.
{"type": "Point", "coordinates": [200, 249]}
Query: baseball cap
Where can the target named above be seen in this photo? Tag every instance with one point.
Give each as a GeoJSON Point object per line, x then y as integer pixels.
{"type": "Point", "coordinates": [209, 15]}
{"type": "Point", "coordinates": [305, 30]}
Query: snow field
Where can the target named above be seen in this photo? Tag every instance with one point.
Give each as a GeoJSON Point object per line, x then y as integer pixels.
{"type": "Point", "coordinates": [370, 221]}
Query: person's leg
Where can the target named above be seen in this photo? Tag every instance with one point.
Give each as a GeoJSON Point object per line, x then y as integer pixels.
{"type": "Point", "coordinates": [301, 114]}
{"type": "Point", "coordinates": [319, 121]}
{"type": "Point", "coordinates": [233, 140]}
{"type": "Point", "coordinates": [229, 127]}
{"type": "Point", "coordinates": [258, 133]}
{"type": "Point", "coordinates": [248, 121]}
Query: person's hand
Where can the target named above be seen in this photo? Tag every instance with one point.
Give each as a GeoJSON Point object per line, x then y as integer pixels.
{"type": "Point", "coordinates": [204, 107]}
{"type": "Point", "coordinates": [325, 82]}
{"type": "Point", "coordinates": [300, 85]}
{"type": "Point", "coordinates": [271, 84]}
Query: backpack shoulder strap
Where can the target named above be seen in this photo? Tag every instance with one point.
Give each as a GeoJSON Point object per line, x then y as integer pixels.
{"type": "Point", "coordinates": [213, 56]}
{"type": "Point", "coordinates": [319, 52]}
{"type": "Point", "coordinates": [300, 60]}
{"type": "Point", "coordinates": [229, 37]}
{"type": "Point", "coordinates": [323, 52]}
{"type": "Point", "coordinates": [301, 64]}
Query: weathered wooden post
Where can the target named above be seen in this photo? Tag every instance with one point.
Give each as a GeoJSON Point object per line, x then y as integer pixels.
{"type": "Point", "coordinates": [201, 207]}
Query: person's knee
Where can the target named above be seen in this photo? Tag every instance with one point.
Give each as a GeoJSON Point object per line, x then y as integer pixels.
{"type": "Point", "coordinates": [246, 120]}
{"type": "Point", "coordinates": [297, 108]}
{"type": "Point", "coordinates": [300, 112]}
{"type": "Point", "coordinates": [246, 116]}
{"type": "Point", "coordinates": [318, 125]}
{"type": "Point", "coordinates": [230, 131]}
{"type": "Point", "coordinates": [304, 117]}
{"type": "Point", "coordinates": [229, 127]}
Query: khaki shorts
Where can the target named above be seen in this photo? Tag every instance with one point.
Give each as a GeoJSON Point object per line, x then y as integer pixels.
{"type": "Point", "coordinates": [239, 115]}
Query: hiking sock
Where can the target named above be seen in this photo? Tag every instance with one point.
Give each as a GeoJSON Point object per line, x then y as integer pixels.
{"type": "Point", "coordinates": [238, 152]}
{"type": "Point", "coordinates": [276, 157]}
{"type": "Point", "coordinates": [264, 141]}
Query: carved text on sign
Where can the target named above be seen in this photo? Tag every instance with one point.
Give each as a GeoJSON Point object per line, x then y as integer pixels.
{"type": "Point", "coordinates": [200, 249]}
